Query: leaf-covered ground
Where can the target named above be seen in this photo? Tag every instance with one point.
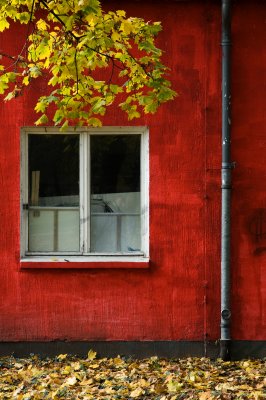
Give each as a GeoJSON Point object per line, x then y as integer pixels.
{"type": "Point", "coordinates": [67, 377]}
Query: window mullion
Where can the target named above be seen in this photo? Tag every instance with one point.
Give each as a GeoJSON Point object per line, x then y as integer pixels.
{"type": "Point", "coordinates": [84, 239]}
{"type": "Point", "coordinates": [144, 184]}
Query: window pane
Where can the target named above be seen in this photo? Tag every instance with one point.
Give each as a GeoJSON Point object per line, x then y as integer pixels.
{"type": "Point", "coordinates": [54, 170]}
{"type": "Point", "coordinates": [53, 230]}
{"type": "Point", "coordinates": [115, 193]}
{"type": "Point", "coordinates": [53, 193]}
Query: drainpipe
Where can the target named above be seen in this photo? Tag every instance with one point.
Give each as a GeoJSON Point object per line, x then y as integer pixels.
{"type": "Point", "coordinates": [226, 182]}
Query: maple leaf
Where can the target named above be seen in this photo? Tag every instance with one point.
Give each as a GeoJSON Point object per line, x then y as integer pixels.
{"type": "Point", "coordinates": [91, 355]}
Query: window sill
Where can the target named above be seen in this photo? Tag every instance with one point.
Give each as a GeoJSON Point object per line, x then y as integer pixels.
{"type": "Point", "coordinates": [75, 262]}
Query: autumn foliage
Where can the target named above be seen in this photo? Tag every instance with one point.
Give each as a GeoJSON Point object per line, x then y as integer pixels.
{"type": "Point", "coordinates": [88, 56]}
{"type": "Point", "coordinates": [66, 377]}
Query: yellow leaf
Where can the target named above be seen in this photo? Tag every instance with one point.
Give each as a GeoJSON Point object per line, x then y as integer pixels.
{"type": "Point", "coordinates": [26, 81]}
{"type": "Point", "coordinates": [86, 382]}
{"type": "Point", "coordinates": [205, 396]}
{"type": "Point", "coordinates": [77, 366]}
{"type": "Point", "coordinates": [94, 366]}
{"type": "Point", "coordinates": [121, 13]}
{"type": "Point", "coordinates": [66, 370]}
{"type": "Point", "coordinates": [115, 36]}
{"type": "Point", "coordinates": [3, 24]}
{"type": "Point", "coordinates": [118, 361]}
{"type": "Point", "coordinates": [143, 383]}
{"type": "Point", "coordinates": [71, 381]}
{"type": "Point", "coordinates": [174, 386]}
{"type": "Point", "coordinates": [42, 25]}
{"type": "Point", "coordinates": [199, 386]}
{"type": "Point", "coordinates": [62, 357]}
{"type": "Point", "coordinates": [126, 27]}
{"type": "Point", "coordinates": [192, 377]}
{"type": "Point", "coordinates": [109, 390]}
{"type": "Point", "coordinates": [136, 393]}
{"type": "Point", "coordinates": [91, 355]}
{"type": "Point", "coordinates": [94, 122]}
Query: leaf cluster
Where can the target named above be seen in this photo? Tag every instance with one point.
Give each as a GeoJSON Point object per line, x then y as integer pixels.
{"type": "Point", "coordinates": [68, 377]}
{"type": "Point", "coordinates": [89, 58]}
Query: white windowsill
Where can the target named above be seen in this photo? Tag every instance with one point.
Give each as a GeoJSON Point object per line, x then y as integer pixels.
{"type": "Point", "coordinates": [85, 262]}
{"type": "Point", "coordinates": [86, 259]}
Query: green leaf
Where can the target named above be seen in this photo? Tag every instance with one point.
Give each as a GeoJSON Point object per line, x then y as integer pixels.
{"type": "Point", "coordinates": [35, 71]}
{"type": "Point", "coordinates": [41, 106]}
{"type": "Point", "coordinates": [42, 120]}
{"type": "Point", "coordinates": [94, 122]}
{"type": "Point", "coordinates": [116, 89]}
{"type": "Point", "coordinates": [64, 127]}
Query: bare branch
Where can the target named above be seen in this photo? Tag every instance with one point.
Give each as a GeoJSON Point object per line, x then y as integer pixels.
{"type": "Point", "coordinates": [8, 56]}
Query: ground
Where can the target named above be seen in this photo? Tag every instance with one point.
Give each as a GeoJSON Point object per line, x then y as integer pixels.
{"type": "Point", "coordinates": [68, 377]}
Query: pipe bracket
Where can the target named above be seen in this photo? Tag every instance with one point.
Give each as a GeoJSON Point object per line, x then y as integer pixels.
{"type": "Point", "coordinates": [226, 314]}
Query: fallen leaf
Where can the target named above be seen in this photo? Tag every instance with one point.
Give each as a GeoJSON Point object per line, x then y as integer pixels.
{"type": "Point", "coordinates": [174, 386]}
{"type": "Point", "coordinates": [62, 357]}
{"type": "Point", "coordinates": [136, 393]}
{"type": "Point", "coordinates": [71, 381]}
{"type": "Point", "coordinates": [91, 355]}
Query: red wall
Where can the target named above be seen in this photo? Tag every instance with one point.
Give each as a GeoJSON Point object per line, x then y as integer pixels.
{"type": "Point", "coordinates": [178, 297]}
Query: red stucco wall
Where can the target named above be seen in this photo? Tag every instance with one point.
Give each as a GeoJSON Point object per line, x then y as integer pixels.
{"type": "Point", "coordinates": [178, 296]}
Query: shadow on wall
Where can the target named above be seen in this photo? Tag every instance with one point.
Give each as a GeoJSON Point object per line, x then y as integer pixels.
{"type": "Point", "coordinates": [257, 230]}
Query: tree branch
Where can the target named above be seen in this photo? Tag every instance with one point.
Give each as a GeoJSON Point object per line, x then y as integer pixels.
{"type": "Point", "coordinates": [77, 38]}
{"type": "Point", "coordinates": [77, 74]}
{"type": "Point", "coordinates": [8, 56]}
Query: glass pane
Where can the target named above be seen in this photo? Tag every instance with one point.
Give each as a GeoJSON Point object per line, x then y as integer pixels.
{"type": "Point", "coordinates": [54, 193]}
{"type": "Point", "coordinates": [115, 193]}
{"type": "Point", "coordinates": [68, 230]}
{"type": "Point", "coordinates": [53, 230]}
{"type": "Point", "coordinates": [41, 227]}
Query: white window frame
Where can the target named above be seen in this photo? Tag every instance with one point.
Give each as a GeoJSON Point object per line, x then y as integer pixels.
{"type": "Point", "coordinates": [84, 255]}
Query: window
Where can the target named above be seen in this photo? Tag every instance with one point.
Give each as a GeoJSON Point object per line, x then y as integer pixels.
{"type": "Point", "coordinates": [85, 193]}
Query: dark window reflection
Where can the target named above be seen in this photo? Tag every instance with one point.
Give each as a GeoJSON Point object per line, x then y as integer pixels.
{"type": "Point", "coordinates": [54, 170]}
{"type": "Point", "coordinates": [115, 163]}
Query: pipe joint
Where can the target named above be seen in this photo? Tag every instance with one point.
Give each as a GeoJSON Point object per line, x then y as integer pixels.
{"type": "Point", "coordinates": [226, 165]}
{"type": "Point", "coordinates": [226, 42]}
{"type": "Point", "coordinates": [226, 186]}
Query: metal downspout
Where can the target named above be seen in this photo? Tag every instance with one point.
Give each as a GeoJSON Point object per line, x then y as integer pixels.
{"type": "Point", "coordinates": [226, 182]}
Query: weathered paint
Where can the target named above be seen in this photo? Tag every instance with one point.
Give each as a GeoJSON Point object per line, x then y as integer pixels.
{"type": "Point", "coordinates": [178, 296]}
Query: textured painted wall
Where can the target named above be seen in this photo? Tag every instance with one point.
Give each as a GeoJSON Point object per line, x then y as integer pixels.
{"type": "Point", "coordinates": [178, 297]}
